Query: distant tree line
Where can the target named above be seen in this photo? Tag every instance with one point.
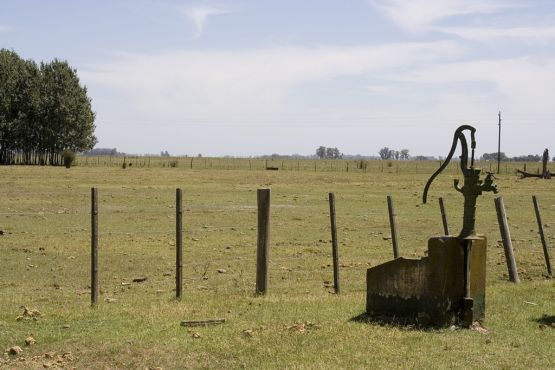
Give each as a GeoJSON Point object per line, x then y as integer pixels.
{"type": "Point", "coordinates": [44, 111]}
{"type": "Point", "coordinates": [520, 158]}
{"type": "Point", "coordinates": [280, 156]}
{"type": "Point", "coordinates": [386, 153]}
{"type": "Point", "coordinates": [104, 152]}
{"type": "Point", "coordinates": [328, 153]}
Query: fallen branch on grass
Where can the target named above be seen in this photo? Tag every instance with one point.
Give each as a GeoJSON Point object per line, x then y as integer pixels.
{"type": "Point", "coordinates": [193, 323]}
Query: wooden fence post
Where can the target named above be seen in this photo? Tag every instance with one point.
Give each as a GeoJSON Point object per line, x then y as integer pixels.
{"type": "Point", "coordinates": [507, 243]}
{"type": "Point", "coordinates": [262, 256]}
{"type": "Point", "coordinates": [335, 252]}
{"type": "Point", "coordinates": [178, 243]}
{"type": "Point", "coordinates": [94, 247]}
{"type": "Point", "coordinates": [542, 236]}
{"type": "Point", "coordinates": [393, 226]}
{"type": "Point", "coordinates": [443, 216]}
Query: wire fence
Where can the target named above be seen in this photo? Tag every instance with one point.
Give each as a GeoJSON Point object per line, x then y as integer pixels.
{"type": "Point", "coordinates": [220, 236]}
{"type": "Point", "coordinates": [306, 165]}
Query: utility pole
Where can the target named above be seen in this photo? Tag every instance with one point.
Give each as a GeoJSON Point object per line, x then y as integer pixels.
{"type": "Point", "coordinates": [499, 145]}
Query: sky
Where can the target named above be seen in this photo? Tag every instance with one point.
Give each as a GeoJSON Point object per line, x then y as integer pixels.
{"type": "Point", "coordinates": [252, 77]}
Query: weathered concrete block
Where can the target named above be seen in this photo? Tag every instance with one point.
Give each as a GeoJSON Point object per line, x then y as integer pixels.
{"type": "Point", "coordinates": [430, 289]}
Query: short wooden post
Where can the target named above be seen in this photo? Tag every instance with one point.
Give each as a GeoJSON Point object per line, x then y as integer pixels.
{"type": "Point", "coordinates": [263, 251]}
{"type": "Point", "coordinates": [178, 243]}
{"type": "Point", "coordinates": [506, 237]}
{"type": "Point", "coordinates": [94, 247]}
{"type": "Point", "coordinates": [335, 252]}
{"type": "Point", "coordinates": [393, 226]}
{"type": "Point", "coordinates": [443, 216]}
{"type": "Point", "coordinates": [542, 236]}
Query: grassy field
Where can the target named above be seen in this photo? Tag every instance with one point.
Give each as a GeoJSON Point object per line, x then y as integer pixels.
{"type": "Point", "coordinates": [45, 254]}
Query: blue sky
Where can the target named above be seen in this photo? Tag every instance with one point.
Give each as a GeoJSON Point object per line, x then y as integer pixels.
{"type": "Point", "coordinates": [249, 77]}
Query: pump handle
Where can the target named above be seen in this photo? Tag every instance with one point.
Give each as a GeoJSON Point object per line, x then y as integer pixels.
{"type": "Point", "coordinates": [464, 155]}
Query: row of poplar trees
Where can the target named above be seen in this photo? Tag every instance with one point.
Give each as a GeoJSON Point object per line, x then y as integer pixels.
{"type": "Point", "coordinates": [44, 111]}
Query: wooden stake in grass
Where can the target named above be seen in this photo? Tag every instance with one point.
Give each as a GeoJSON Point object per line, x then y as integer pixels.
{"type": "Point", "coordinates": [263, 250]}
{"type": "Point", "coordinates": [94, 247]}
{"type": "Point", "coordinates": [443, 217]}
{"type": "Point", "coordinates": [393, 226]}
{"type": "Point", "coordinates": [507, 243]}
{"type": "Point", "coordinates": [335, 252]}
{"type": "Point", "coordinates": [542, 236]}
{"type": "Point", "coordinates": [178, 244]}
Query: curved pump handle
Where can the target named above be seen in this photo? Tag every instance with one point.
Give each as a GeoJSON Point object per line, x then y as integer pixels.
{"type": "Point", "coordinates": [459, 136]}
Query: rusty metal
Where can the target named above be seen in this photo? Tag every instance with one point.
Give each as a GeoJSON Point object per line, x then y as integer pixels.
{"type": "Point", "coordinates": [473, 186]}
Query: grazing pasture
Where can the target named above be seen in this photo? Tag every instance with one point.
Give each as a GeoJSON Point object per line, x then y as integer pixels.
{"type": "Point", "coordinates": [300, 323]}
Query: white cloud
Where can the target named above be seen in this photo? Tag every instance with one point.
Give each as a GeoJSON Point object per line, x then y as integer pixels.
{"type": "Point", "coordinates": [523, 84]}
{"type": "Point", "coordinates": [414, 84]}
{"type": "Point", "coordinates": [485, 35]}
{"type": "Point", "coordinates": [199, 14]}
{"type": "Point", "coordinates": [419, 14]}
{"type": "Point", "coordinates": [233, 85]}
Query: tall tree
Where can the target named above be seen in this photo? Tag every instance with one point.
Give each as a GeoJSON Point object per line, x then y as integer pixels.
{"type": "Point", "coordinates": [321, 152]}
{"type": "Point", "coordinates": [335, 153]}
{"type": "Point", "coordinates": [19, 101]}
{"type": "Point", "coordinates": [66, 113]}
{"type": "Point", "coordinates": [385, 153]}
{"type": "Point", "coordinates": [43, 111]}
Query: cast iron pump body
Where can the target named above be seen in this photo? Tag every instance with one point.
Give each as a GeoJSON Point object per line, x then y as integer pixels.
{"type": "Point", "coordinates": [473, 185]}
{"type": "Point", "coordinates": [472, 188]}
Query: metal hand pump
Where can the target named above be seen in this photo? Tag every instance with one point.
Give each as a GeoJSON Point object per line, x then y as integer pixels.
{"type": "Point", "coordinates": [472, 188]}
{"type": "Point", "coordinates": [473, 185]}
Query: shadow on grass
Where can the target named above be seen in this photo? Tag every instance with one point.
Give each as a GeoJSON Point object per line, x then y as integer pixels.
{"type": "Point", "coordinates": [548, 320]}
{"type": "Point", "coordinates": [405, 323]}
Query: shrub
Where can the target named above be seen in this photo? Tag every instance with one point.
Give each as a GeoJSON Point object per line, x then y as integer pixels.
{"type": "Point", "coordinates": [68, 157]}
